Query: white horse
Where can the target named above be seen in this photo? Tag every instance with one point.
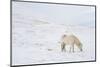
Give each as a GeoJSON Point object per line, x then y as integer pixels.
{"type": "Point", "coordinates": [70, 40]}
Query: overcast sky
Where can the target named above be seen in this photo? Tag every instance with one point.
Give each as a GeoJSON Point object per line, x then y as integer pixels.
{"type": "Point", "coordinates": [54, 13]}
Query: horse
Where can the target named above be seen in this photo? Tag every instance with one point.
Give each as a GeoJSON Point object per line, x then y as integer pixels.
{"type": "Point", "coordinates": [71, 40]}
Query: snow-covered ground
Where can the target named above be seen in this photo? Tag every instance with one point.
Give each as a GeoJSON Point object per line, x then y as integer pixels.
{"type": "Point", "coordinates": [37, 42]}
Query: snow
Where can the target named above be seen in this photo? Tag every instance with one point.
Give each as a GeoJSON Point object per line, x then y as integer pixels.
{"type": "Point", "coordinates": [40, 44]}
{"type": "Point", "coordinates": [37, 42]}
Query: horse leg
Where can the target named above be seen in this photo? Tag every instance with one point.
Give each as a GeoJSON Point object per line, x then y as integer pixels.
{"type": "Point", "coordinates": [81, 49]}
{"type": "Point", "coordinates": [73, 48]}
{"type": "Point", "coordinates": [70, 48]}
{"type": "Point", "coordinates": [63, 47]}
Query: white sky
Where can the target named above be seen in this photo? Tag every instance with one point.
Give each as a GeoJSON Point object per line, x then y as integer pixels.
{"type": "Point", "coordinates": [54, 13]}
